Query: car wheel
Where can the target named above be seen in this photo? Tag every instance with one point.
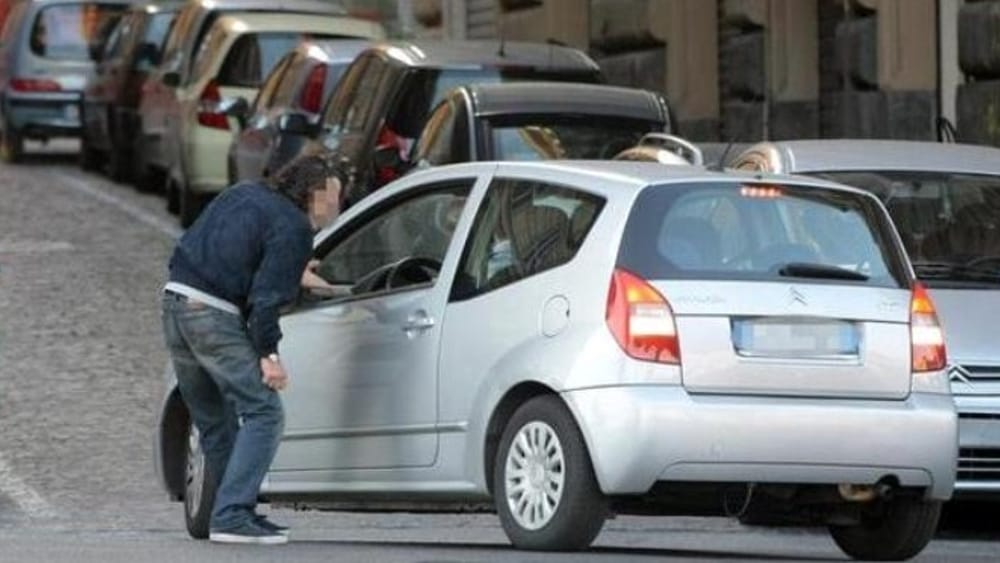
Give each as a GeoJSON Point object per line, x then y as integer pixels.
{"type": "Point", "coordinates": [895, 531]}
{"type": "Point", "coordinates": [90, 158]}
{"type": "Point", "coordinates": [121, 164]}
{"type": "Point", "coordinates": [191, 205]}
{"type": "Point", "coordinates": [11, 145]}
{"type": "Point", "coordinates": [543, 482]}
{"type": "Point", "coordinates": [199, 489]}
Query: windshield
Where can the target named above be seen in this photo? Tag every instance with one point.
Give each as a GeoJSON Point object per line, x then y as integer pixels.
{"type": "Point", "coordinates": [566, 137]}
{"type": "Point", "coordinates": [73, 31]}
{"type": "Point", "coordinates": [730, 231]}
{"type": "Point", "coordinates": [949, 223]}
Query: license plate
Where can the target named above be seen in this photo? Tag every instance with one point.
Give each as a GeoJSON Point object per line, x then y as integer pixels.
{"type": "Point", "coordinates": [795, 338]}
{"type": "Point", "coordinates": [72, 112]}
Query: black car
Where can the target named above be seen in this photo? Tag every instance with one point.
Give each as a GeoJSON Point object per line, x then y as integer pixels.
{"type": "Point", "coordinates": [539, 121]}
{"type": "Point", "coordinates": [110, 108]}
{"type": "Point", "coordinates": [384, 98]}
{"type": "Point", "coordinates": [297, 89]}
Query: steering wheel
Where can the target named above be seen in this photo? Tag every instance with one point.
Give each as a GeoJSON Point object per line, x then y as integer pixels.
{"type": "Point", "coordinates": [412, 270]}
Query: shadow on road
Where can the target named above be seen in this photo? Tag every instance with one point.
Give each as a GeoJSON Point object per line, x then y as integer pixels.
{"type": "Point", "coordinates": [969, 520]}
{"type": "Point", "coordinates": [593, 552]}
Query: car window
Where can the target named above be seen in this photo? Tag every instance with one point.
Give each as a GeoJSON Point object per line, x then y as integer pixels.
{"type": "Point", "coordinates": [418, 229]}
{"type": "Point", "coordinates": [158, 26]}
{"type": "Point", "coordinates": [207, 52]}
{"type": "Point", "coordinates": [445, 138]}
{"type": "Point", "coordinates": [365, 95]}
{"type": "Point", "coordinates": [523, 228]}
{"type": "Point", "coordinates": [117, 39]}
{"type": "Point", "coordinates": [570, 137]}
{"type": "Point", "coordinates": [274, 83]}
{"type": "Point", "coordinates": [71, 31]}
{"type": "Point", "coordinates": [253, 55]}
{"type": "Point", "coordinates": [173, 48]}
{"type": "Point", "coordinates": [755, 231]}
{"type": "Point", "coordinates": [285, 88]}
{"type": "Point", "coordinates": [949, 222]}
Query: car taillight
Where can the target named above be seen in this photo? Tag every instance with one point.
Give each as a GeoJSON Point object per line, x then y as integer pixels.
{"type": "Point", "coordinates": [34, 85]}
{"type": "Point", "coordinates": [926, 336]}
{"type": "Point", "coordinates": [208, 108]}
{"type": "Point", "coordinates": [641, 320]}
{"type": "Point", "coordinates": [312, 93]}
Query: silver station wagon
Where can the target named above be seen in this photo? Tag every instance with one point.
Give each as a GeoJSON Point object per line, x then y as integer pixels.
{"type": "Point", "coordinates": [560, 342]}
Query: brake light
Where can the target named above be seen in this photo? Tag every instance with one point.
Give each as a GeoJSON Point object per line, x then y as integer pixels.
{"type": "Point", "coordinates": [641, 320]}
{"type": "Point", "coordinates": [312, 94]}
{"type": "Point", "coordinates": [761, 192]}
{"type": "Point", "coordinates": [34, 85]}
{"type": "Point", "coordinates": [208, 108]}
{"type": "Point", "coordinates": [926, 336]}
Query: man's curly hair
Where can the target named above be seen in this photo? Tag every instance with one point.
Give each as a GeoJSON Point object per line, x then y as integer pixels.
{"type": "Point", "coordinates": [298, 179]}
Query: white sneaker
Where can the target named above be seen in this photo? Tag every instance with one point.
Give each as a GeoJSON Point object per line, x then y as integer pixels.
{"type": "Point", "coordinates": [248, 533]}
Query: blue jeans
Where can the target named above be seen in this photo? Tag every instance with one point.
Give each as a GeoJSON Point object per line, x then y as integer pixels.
{"type": "Point", "coordinates": [239, 417]}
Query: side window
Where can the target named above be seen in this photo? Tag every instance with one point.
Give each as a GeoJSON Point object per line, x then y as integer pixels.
{"type": "Point", "coordinates": [523, 228]}
{"type": "Point", "coordinates": [242, 65]}
{"type": "Point", "coordinates": [286, 86]}
{"type": "Point", "coordinates": [204, 59]}
{"type": "Point", "coordinates": [439, 136]}
{"type": "Point", "coordinates": [173, 49]}
{"type": "Point", "coordinates": [398, 246]}
{"type": "Point", "coordinates": [273, 84]}
{"type": "Point", "coordinates": [344, 94]}
{"type": "Point", "coordinates": [365, 96]}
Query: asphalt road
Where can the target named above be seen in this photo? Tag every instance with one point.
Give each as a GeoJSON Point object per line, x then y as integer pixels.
{"type": "Point", "coordinates": [81, 358]}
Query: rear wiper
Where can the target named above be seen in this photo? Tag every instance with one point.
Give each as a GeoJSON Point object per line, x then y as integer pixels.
{"type": "Point", "coordinates": [934, 270]}
{"type": "Point", "coordinates": [812, 270]}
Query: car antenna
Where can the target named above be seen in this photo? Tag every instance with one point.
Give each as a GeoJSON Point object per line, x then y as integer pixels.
{"type": "Point", "coordinates": [946, 131]}
{"type": "Point", "coordinates": [721, 164]}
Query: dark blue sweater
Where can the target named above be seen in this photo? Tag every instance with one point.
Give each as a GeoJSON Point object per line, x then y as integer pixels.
{"type": "Point", "coordinates": [249, 247]}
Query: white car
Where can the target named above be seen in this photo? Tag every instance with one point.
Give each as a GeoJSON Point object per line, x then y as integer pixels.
{"type": "Point", "coordinates": [562, 341]}
{"type": "Point", "coordinates": [239, 50]}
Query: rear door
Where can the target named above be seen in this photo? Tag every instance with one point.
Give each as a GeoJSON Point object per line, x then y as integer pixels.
{"type": "Point", "coordinates": [777, 290]}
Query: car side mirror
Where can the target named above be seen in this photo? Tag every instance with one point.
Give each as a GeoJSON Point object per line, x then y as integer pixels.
{"type": "Point", "coordinates": [296, 124]}
{"type": "Point", "coordinates": [237, 107]}
{"type": "Point", "coordinates": [171, 79]}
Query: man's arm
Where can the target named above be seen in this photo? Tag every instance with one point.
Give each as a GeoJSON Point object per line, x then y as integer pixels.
{"type": "Point", "coordinates": [276, 283]}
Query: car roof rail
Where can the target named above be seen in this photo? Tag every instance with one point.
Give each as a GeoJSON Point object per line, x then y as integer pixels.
{"type": "Point", "coordinates": [677, 145]}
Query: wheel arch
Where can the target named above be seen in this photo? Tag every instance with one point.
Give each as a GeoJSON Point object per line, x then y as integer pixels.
{"type": "Point", "coordinates": [504, 409]}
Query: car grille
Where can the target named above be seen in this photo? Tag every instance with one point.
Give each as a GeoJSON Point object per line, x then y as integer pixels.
{"type": "Point", "coordinates": [975, 374]}
{"type": "Point", "coordinates": [979, 464]}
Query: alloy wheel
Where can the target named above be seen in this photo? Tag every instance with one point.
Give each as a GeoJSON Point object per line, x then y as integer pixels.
{"type": "Point", "coordinates": [534, 475]}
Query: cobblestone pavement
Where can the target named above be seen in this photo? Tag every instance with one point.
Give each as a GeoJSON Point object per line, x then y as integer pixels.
{"type": "Point", "coordinates": [81, 360]}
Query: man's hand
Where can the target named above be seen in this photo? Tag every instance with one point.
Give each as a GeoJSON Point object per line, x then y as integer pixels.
{"type": "Point", "coordinates": [274, 374]}
{"type": "Point", "coordinates": [312, 281]}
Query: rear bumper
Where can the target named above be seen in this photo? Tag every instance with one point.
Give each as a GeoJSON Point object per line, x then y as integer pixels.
{"type": "Point", "coordinates": [206, 152]}
{"type": "Point", "coordinates": [44, 115]}
{"type": "Point", "coordinates": [639, 435]}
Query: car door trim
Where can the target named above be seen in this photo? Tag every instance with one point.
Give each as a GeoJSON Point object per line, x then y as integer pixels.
{"type": "Point", "coordinates": [367, 431]}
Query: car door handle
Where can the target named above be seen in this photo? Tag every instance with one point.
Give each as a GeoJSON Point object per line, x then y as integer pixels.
{"type": "Point", "coordinates": [418, 322]}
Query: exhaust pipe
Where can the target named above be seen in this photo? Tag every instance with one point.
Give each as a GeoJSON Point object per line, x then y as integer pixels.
{"type": "Point", "coordinates": [862, 493]}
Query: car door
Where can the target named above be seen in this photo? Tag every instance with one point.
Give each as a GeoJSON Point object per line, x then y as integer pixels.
{"type": "Point", "coordinates": [364, 365]}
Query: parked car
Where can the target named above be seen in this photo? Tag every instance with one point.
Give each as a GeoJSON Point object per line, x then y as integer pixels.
{"type": "Point", "coordinates": [538, 121]}
{"type": "Point", "coordinates": [299, 86]}
{"type": "Point", "coordinates": [945, 202]}
{"type": "Point", "coordinates": [381, 104]}
{"type": "Point", "coordinates": [159, 104]}
{"type": "Point", "coordinates": [239, 50]}
{"type": "Point", "coordinates": [574, 339]}
{"type": "Point", "coordinates": [111, 97]}
{"type": "Point", "coordinates": [47, 50]}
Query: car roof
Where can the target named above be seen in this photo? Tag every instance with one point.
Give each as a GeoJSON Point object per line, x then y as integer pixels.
{"type": "Point", "coordinates": [437, 54]}
{"type": "Point", "coordinates": [514, 98]}
{"type": "Point", "coordinates": [243, 22]}
{"type": "Point", "coordinates": [869, 154]}
{"type": "Point", "coordinates": [333, 50]}
{"type": "Point", "coordinates": [157, 6]}
{"type": "Point", "coordinates": [305, 6]}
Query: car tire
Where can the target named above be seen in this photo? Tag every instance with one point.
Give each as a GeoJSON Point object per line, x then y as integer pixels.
{"type": "Point", "coordinates": [90, 158]}
{"type": "Point", "coordinates": [199, 489]}
{"type": "Point", "coordinates": [547, 498]}
{"type": "Point", "coordinates": [895, 531]}
{"type": "Point", "coordinates": [121, 164]}
{"type": "Point", "coordinates": [190, 205]}
{"type": "Point", "coordinates": [11, 145]}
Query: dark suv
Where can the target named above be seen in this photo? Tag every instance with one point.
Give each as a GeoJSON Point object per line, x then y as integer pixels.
{"type": "Point", "coordinates": [381, 104]}
{"type": "Point", "coordinates": [111, 97]}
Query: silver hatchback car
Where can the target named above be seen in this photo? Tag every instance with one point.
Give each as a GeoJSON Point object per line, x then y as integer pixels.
{"type": "Point", "coordinates": [562, 341]}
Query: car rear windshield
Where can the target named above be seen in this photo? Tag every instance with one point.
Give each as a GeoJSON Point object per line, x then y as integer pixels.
{"type": "Point", "coordinates": [73, 31]}
{"type": "Point", "coordinates": [426, 88]}
{"type": "Point", "coordinates": [253, 56]}
{"type": "Point", "coordinates": [732, 231]}
{"type": "Point", "coordinates": [565, 137]}
{"type": "Point", "coordinates": [949, 223]}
